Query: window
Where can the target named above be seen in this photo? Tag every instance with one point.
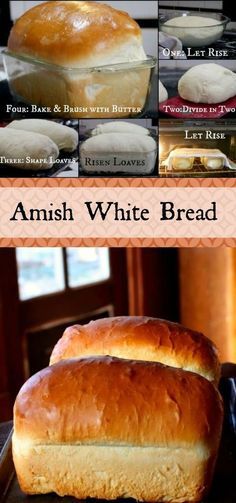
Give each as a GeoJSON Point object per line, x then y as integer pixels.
{"type": "Point", "coordinates": [43, 271]}
{"type": "Point", "coordinates": [87, 265]}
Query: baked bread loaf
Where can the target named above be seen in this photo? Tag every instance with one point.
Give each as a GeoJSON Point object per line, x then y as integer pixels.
{"type": "Point", "coordinates": [69, 36]}
{"type": "Point", "coordinates": [108, 428]}
{"type": "Point", "coordinates": [66, 138]}
{"type": "Point", "coordinates": [207, 83]}
{"type": "Point", "coordinates": [26, 150]}
{"type": "Point", "coordinates": [77, 35]}
{"type": "Point", "coordinates": [118, 153]}
{"type": "Point", "coordinates": [119, 127]}
{"type": "Point", "coordinates": [141, 338]}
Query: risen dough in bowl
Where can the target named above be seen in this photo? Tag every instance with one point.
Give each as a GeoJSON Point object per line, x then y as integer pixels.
{"type": "Point", "coordinates": [163, 94]}
{"type": "Point", "coordinates": [66, 138]}
{"type": "Point", "coordinates": [114, 153]}
{"type": "Point", "coordinates": [207, 83]}
{"type": "Point", "coordinates": [119, 127]}
{"type": "Point", "coordinates": [194, 31]}
{"type": "Point", "coordinates": [25, 150]}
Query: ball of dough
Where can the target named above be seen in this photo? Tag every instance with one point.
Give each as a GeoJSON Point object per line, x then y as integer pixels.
{"type": "Point", "coordinates": [163, 94]}
{"type": "Point", "coordinates": [66, 138]}
{"type": "Point", "coordinates": [119, 127]}
{"type": "Point", "coordinates": [207, 83]}
{"type": "Point", "coordinates": [25, 150]}
{"type": "Point", "coordinates": [194, 31]}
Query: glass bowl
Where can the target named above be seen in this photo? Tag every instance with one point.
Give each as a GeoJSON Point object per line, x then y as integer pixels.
{"type": "Point", "coordinates": [197, 36]}
{"type": "Point", "coordinates": [119, 90]}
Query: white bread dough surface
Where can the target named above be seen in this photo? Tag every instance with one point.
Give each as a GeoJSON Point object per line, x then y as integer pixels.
{"type": "Point", "coordinates": [207, 83]}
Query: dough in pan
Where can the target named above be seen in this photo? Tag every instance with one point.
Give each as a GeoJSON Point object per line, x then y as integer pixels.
{"type": "Point", "coordinates": [182, 163]}
{"type": "Point", "coordinates": [207, 83]}
{"type": "Point", "coordinates": [113, 143]}
{"type": "Point", "coordinates": [66, 138]}
{"type": "Point", "coordinates": [213, 162]}
{"type": "Point", "coordinates": [119, 127]}
{"type": "Point", "coordinates": [25, 150]}
{"type": "Point", "coordinates": [118, 153]}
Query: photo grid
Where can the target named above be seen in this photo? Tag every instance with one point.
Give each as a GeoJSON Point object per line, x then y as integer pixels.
{"type": "Point", "coordinates": [117, 363]}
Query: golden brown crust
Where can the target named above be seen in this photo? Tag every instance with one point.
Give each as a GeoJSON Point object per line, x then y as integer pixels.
{"type": "Point", "coordinates": [111, 401]}
{"type": "Point", "coordinates": [65, 32]}
{"type": "Point", "coordinates": [141, 338]}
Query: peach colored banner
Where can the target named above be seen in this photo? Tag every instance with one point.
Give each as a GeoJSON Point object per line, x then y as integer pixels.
{"type": "Point", "coordinates": [118, 212]}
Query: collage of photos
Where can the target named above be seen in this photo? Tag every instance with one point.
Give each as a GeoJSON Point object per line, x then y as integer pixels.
{"type": "Point", "coordinates": [117, 354]}
{"type": "Point", "coordinates": [98, 80]}
{"type": "Point", "coordinates": [197, 89]}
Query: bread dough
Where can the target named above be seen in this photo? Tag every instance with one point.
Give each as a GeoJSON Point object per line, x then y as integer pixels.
{"type": "Point", "coordinates": [182, 163]}
{"type": "Point", "coordinates": [66, 138]}
{"type": "Point", "coordinates": [114, 143]}
{"type": "Point", "coordinates": [207, 83]}
{"type": "Point", "coordinates": [213, 162]}
{"type": "Point", "coordinates": [183, 158]}
{"type": "Point", "coordinates": [119, 127]}
{"type": "Point", "coordinates": [114, 153]}
{"type": "Point", "coordinates": [26, 150]}
{"type": "Point", "coordinates": [163, 94]}
{"type": "Point", "coordinates": [194, 31]}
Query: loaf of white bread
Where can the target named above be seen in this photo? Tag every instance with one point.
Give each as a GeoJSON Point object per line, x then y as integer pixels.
{"type": "Point", "coordinates": [141, 338]}
{"type": "Point", "coordinates": [107, 428]}
{"type": "Point", "coordinates": [79, 35]}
